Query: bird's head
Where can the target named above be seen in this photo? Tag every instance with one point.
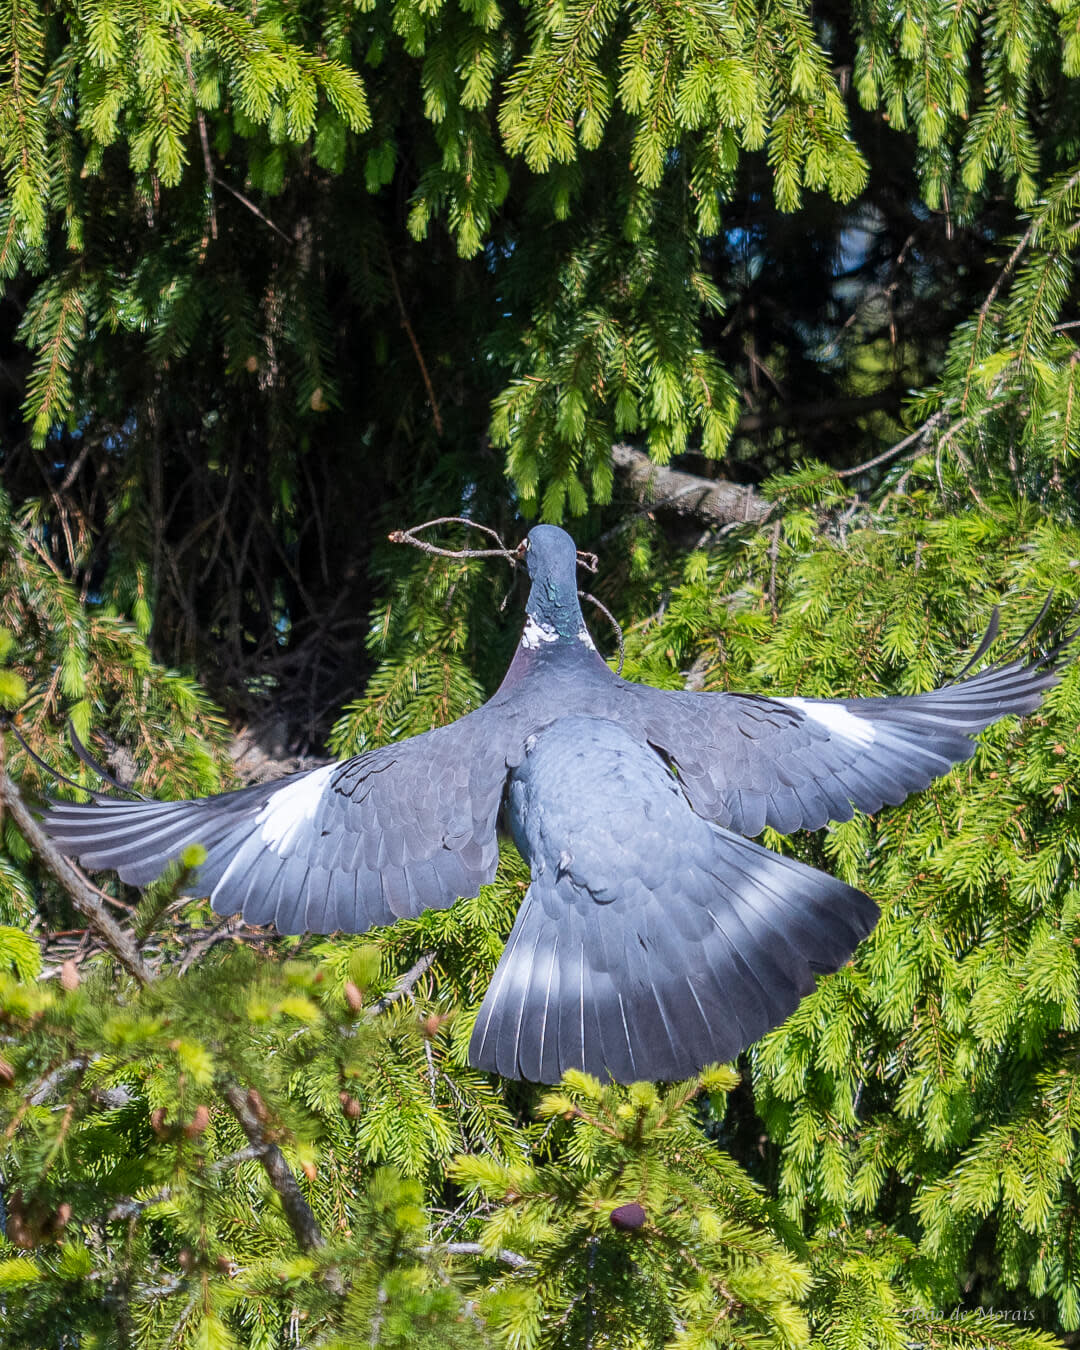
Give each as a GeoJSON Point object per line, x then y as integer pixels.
{"type": "Point", "coordinates": [551, 560]}
{"type": "Point", "coordinates": [549, 552]}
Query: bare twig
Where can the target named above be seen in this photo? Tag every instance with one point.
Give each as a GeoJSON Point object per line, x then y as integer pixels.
{"type": "Point", "coordinates": [919, 434]}
{"type": "Point", "coordinates": [409, 537]}
{"type": "Point", "coordinates": [436, 416]}
{"type": "Point", "coordinates": [405, 985]}
{"type": "Point", "coordinates": [208, 163]}
{"type": "Point", "coordinates": [203, 944]}
{"type": "Point", "coordinates": [244, 201]}
{"type": "Point", "coordinates": [774, 553]}
{"type": "Point", "coordinates": [508, 1258]}
{"type": "Point", "coordinates": [614, 623]}
{"type": "Point", "coordinates": [589, 561]}
{"type": "Point", "coordinates": [77, 463]}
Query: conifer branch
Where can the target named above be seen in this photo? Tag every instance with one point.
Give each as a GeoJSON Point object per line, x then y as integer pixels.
{"type": "Point", "coordinates": [405, 985]}
{"type": "Point", "coordinates": [298, 1212]}
{"type": "Point", "coordinates": [121, 943]}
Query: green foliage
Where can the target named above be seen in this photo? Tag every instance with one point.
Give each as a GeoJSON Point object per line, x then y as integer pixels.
{"type": "Point", "coordinates": [703, 1263]}
{"type": "Point", "coordinates": [936, 1075]}
{"type": "Point", "coordinates": [424, 638]}
{"type": "Point", "coordinates": [279, 279]}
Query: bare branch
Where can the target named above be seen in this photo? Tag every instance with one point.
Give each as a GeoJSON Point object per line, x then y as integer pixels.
{"type": "Point", "coordinates": [508, 1258]}
{"type": "Point", "coordinates": [717, 501]}
{"type": "Point", "coordinates": [120, 941]}
{"type": "Point", "coordinates": [409, 537]}
{"type": "Point", "coordinates": [405, 985]}
{"type": "Point", "coordinates": [436, 416]}
{"type": "Point", "coordinates": [614, 623]}
{"type": "Point", "coordinates": [298, 1213]}
{"type": "Point", "coordinates": [915, 438]}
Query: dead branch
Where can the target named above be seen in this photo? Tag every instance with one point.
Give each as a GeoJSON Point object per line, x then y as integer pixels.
{"type": "Point", "coordinates": [508, 1258]}
{"type": "Point", "coordinates": [436, 415]}
{"type": "Point", "coordinates": [408, 536]}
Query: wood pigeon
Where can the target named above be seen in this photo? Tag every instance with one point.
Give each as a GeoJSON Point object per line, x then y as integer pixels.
{"type": "Point", "coordinates": [654, 938]}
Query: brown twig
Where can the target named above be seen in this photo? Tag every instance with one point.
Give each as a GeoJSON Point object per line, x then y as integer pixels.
{"type": "Point", "coordinates": [409, 537]}
{"type": "Point", "coordinates": [204, 943]}
{"type": "Point", "coordinates": [614, 623]}
{"type": "Point", "coordinates": [77, 463]}
{"type": "Point", "coordinates": [436, 416]}
{"type": "Point", "coordinates": [919, 434]}
{"type": "Point", "coordinates": [244, 201]}
{"type": "Point", "coordinates": [774, 553]}
{"type": "Point", "coordinates": [208, 163]}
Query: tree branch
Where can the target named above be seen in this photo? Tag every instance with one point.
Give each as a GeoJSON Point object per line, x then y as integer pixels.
{"type": "Point", "coordinates": [405, 985]}
{"type": "Point", "coordinates": [436, 415]}
{"type": "Point", "coordinates": [298, 1212]}
{"type": "Point", "coordinates": [120, 941]}
{"type": "Point", "coordinates": [507, 1257]}
{"type": "Point", "coordinates": [715, 501]}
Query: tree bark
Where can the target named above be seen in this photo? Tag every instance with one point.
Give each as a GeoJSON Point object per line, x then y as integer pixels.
{"type": "Point", "coordinates": [712, 501]}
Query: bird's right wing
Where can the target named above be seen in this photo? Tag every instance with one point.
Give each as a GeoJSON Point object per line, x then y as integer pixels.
{"type": "Point", "coordinates": [348, 846]}
{"type": "Point", "coordinates": [747, 760]}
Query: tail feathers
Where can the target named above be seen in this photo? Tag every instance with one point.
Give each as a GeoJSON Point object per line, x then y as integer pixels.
{"type": "Point", "coordinates": [657, 985]}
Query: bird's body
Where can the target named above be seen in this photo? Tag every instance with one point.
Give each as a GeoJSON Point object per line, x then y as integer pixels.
{"type": "Point", "coordinates": [653, 938]}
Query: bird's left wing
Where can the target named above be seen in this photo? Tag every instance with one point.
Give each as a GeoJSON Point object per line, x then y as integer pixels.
{"type": "Point", "coordinates": [746, 761]}
{"type": "Point", "coordinates": [348, 846]}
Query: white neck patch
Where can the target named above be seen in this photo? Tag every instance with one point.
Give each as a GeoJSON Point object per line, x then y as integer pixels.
{"type": "Point", "coordinates": [535, 633]}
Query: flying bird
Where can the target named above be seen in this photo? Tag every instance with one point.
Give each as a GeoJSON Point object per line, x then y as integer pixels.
{"type": "Point", "coordinates": [655, 937]}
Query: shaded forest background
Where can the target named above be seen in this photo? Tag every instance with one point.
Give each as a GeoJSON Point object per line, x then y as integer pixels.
{"type": "Point", "coordinates": [775, 307]}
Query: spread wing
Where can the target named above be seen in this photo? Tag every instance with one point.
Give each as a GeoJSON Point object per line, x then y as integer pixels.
{"type": "Point", "coordinates": [747, 761]}
{"type": "Point", "coordinates": [348, 846]}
